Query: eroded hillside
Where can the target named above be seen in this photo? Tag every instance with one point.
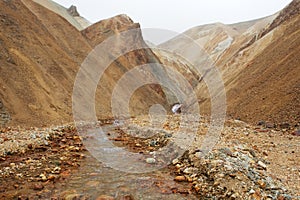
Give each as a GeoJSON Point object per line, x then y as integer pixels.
{"type": "Point", "coordinates": [41, 53]}
{"type": "Point", "coordinates": [258, 61]}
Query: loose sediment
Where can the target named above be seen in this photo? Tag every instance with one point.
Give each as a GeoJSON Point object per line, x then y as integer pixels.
{"type": "Point", "coordinates": [247, 162]}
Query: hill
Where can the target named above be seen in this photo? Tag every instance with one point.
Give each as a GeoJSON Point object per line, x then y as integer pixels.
{"type": "Point", "coordinates": [257, 60]}
{"type": "Point", "coordinates": [41, 53]}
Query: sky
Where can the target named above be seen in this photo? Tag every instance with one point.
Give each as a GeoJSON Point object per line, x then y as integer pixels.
{"type": "Point", "coordinates": [177, 15]}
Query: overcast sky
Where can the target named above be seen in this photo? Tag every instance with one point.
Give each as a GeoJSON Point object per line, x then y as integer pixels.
{"type": "Point", "coordinates": [177, 15]}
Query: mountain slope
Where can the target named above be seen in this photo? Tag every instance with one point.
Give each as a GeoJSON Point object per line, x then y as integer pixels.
{"type": "Point", "coordinates": [269, 87]}
{"type": "Point", "coordinates": [35, 67]}
{"type": "Point", "coordinates": [259, 65]}
{"type": "Point", "coordinates": [40, 54]}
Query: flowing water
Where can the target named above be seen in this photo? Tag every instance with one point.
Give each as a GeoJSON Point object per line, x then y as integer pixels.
{"type": "Point", "coordinates": [94, 179]}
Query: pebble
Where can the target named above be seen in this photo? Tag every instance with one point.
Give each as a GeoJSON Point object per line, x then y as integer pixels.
{"type": "Point", "coordinates": [38, 186]}
{"type": "Point", "coordinates": [227, 151]}
{"type": "Point", "coordinates": [178, 166]}
{"type": "Point", "coordinates": [105, 197]}
{"type": "Point", "coordinates": [56, 170]}
{"type": "Point", "coordinates": [51, 178]}
{"type": "Point", "coordinates": [221, 175]}
{"type": "Point", "coordinates": [93, 183]}
{"type": "Point", "coordinates": [153, 143]}
{"type": "Point", "coordinates": [235, 196]}
{"type": "Point", "coordinates": [72, 196]}
{"type": "Point", "coordinates": [43, 177]}
{"type": "Point", "coordinates": [251, 191]}
{"type": "Point", "coordinates": [228, 167]}
{"type": "Point", "coordinates": [190, 170]}
{"type": "Point", "coordinates": [138, 145]}
{"type": "Point", "coordinates": [180, 178]}
{"type": "Point", "coordinates": [175, 161]}
{"type": "Point", "coordinates": [198, 154]}
{"type": "Point", "coordinates": [23, 197]}
{"type": "Point", "coordinates": [216, 169]}
{"type": "Point", "coordinates": [127, 197]}
{"type": "Point", "coordinates": [12, 165]}
{"type": "Point", "coordinates": [257, 195]}
{"type": "Point", "coordinates": [150, 160]}
{"type": "Point", "coordinates": [296, 133]}
{"type": "Point", "coordinates": [262, 184]}
{"type": "Point", "coordinates": [261, 164]}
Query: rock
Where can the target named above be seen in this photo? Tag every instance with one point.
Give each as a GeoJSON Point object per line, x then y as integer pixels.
{"type": "Point", "coordinates": [43, 177]}
{"type": "Point", "coordinates": [227, 151]}
{"type": "Point", "coordinates": [221, 175]}
{"type": "Point", "coordinates": [12, 165]}
{"type": "Point", "coordinates": [198, 154]}
{"type": "Point", "coordinates": [168, 135]}
{"type": "Point", "coordinates": [23, 197]}
{"type": "Point", "coordinates": [235, 154]}
{"type": "Point", "coordinates": [73, 11]}
{"type": "Point", "coordinates": [178, 166]}
{"type": "Point", "coordinates": [197, 188]}
{"type": "Point", "coordinates": [175, 161]}
{"type": "Point", "coordinates": [228, 167]}
{"type": "Point", "coordinates": [190, 179]}
{"type": "Point", "coordinates": [72, 196]}
{"type": "Point", "coordinates": [256, 195]}
{"type": "Point", "coordinates": [38, 186]}
{"type": "Point", "coordinates": [105, 197]}
{"type": "Point", "coordinates": [251, 191]}
{"type": "Point", "coordinates": [284, 125]}
{"type": "Point", "coordinates": [93, 183]}
{"type": "Point", "coordinates": [263, 130]}
{"type": "Point", "coordinates": [235, 196]}
{"type": "Point", "coordinates": [252, 152]}
{"type": "Point", "coordinates": [138, 145]}
{"type": "Point", "coordinates": [56, 170]}
{"type": "Point", "coordinates": [262, 184]}
{"type": "Point", "coordinates": [29, 146]}
{"type": "Point", "coordinates": [153, 143]}
{"type": "Point", "coordinates": [296, 133]}
{"type": "Point", "coordinates": [270, 125]}
{"type": "Point", "coordinates": [190, 170]}
{"type": "Point", "coordinates": [216, 183]}
{"type": "Point", "coordinates": [176, 108]}
{"type": "Point", "coordinates": [51, 178]}
{"type": "Point", "coordinates": [265, 153]}
{"type": "Point", "coordinates": [261, 164]}
{"type": "Point", "coordinates": [46, 142]}
{"type": "Point", "coordinates": [180, 178]}
{"type": "Point", "coordinates": [261, 123]}
{"type": "Point", "coordinates": [150, 160]}
{"type": "Point", "coordinates": [33, 136]}
{"type": "Point", "coordinates": [127, 197]}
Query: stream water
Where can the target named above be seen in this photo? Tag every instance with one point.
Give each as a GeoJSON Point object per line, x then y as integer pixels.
{"type": "Point", "coordinates": [94, 179]}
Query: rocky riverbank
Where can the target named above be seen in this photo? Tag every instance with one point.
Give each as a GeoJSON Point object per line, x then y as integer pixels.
{"type": "Point", "coordinates": [32, 161]}
{"type": "Point", "coordinates": [247, 163]}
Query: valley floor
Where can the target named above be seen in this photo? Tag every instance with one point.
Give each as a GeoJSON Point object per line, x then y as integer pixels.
{"type": "Point", "coordinates": [247, 162]}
